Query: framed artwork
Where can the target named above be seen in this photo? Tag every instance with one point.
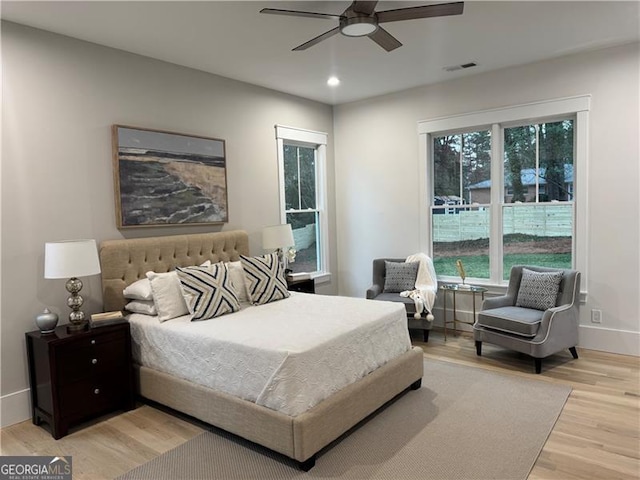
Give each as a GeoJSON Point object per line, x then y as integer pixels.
{"type": "Point", "coordinates": [167, 179]}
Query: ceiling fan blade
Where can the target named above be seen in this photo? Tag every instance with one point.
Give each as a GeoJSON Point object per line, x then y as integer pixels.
{"type": "Point", "coordinates": [296, 13]}
{"type": "Point", "coordinates": [385, 39]}
{"type": "Point", "coordinates": [317, 39]}
{"type": "Point", "coordinates": [364, 7]}
{"type": "Point", "coordinates": [425, 11]}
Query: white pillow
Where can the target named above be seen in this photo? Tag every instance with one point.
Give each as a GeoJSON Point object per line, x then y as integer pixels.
{"type": "Point", "coordinates": [167, 294]}
{"type": "Point", "coordinates": [140, 290]}
{"type": "Point", "coordinates": [236, 272]}
{"type": "Point", "coordinates": [146, 307]}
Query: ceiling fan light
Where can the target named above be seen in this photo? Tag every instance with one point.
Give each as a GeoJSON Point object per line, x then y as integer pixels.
{"type": "Point", "coordinates": [358, 26]}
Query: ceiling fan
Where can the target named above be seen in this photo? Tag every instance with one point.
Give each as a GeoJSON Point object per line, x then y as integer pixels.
{"type": "Point", "coordinates": [360, 19]}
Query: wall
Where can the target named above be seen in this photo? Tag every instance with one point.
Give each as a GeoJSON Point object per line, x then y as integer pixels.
{"type": "Point", "coordinates": [60, 98]}
{"type": "Point", "coordinates": [377, 175]}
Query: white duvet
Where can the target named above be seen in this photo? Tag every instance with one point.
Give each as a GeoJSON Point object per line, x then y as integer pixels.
{"type": "Point", "coordinates": [287, 355]}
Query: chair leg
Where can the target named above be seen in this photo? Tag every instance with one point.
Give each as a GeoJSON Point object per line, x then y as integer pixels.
{"type": "Point", "coordinates": [425, 335]}
{"type": "Point", "coordinates": [478, 348]}
{"type": "Point", "coordinates": [538, 362]}
{"type": "Point", "coordinates": [574, 352]}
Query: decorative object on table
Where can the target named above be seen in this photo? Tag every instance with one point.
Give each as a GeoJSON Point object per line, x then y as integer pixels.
{"type": "Point", "coordinates": [72, 259]}
{"type": "Point", "coordinates": [152, 165]}
{"type": "Point", "coordinates": [47, 321]}
{"type": "Point", "coordinates": [462, 273]}
{"type": "Point", "coordinates": [106, 318]}
{"type": "Point", "coordinates": [280, 239]}
{"type": "Point", "coordinates": [290, 253]}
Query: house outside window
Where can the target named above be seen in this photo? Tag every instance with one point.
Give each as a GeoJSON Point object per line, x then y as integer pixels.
{"type": "Point", "coordinates": [519, 210]}
{"type": "Point", "coordinates": [302, 157]}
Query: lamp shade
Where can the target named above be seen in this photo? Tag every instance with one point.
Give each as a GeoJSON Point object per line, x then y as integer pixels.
{"type": "Point", "coordinates": [277, 236]}
{"type": "Point", "coordinates": [73, 258]}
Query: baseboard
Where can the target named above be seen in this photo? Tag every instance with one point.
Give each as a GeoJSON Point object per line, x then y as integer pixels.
{"type": "Point", "coordinates": [623, 342]}
{"type": "Point", "coordinates": [15, 408]}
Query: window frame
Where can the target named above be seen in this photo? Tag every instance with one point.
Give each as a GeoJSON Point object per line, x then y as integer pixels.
{"type": "Point", "coordinates": [496, 120]}
{"type": "Point", "coordinates": [318, 141]}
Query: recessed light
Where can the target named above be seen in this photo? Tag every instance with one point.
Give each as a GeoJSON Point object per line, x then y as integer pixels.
{"type": "Point", "coordinates": [333, 81]}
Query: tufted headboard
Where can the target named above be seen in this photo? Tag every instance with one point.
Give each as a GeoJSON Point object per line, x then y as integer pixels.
{"type": "Point", "coordinates": [125, 261]}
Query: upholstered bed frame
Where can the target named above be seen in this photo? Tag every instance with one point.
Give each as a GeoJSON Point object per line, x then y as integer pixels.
{"type": "Point", "coordinates": [301, 437]}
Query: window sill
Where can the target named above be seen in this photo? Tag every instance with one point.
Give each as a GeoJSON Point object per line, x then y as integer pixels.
{"type": "Point", "coordinates": [497, 289]}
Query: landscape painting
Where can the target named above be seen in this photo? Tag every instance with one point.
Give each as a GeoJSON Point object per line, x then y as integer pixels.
{"type": "Point", "coordinates": [163, 178]}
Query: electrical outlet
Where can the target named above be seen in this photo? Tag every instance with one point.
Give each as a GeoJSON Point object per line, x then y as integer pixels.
{"type": "Point", "coordinates": [596, 316]}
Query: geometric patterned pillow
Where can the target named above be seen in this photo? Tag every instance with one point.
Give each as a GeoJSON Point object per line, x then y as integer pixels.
{"type": "Point", "coordinates": [208, 291]}
{"type": "Point", "coordinates": [399, 276]}
{"type": "Point", "coordinates": [538, 290]}
{"type": "Point", "coordinates": [265, 278]}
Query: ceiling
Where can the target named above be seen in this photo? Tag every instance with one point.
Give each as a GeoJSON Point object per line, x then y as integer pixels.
{"type": "Point", "coordinates": [234, 40]}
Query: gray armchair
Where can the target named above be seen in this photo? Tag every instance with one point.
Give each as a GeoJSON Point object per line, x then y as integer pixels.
{"type": "Point", "coordinates": [527, 330]}
{"type": "Point", "coordinates": [376, 292]}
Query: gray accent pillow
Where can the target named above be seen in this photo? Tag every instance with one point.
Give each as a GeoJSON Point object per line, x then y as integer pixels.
{"type": "Point", "coordinates": [400, 276]}
{"type": "Point", "coordinates": [538, 290]}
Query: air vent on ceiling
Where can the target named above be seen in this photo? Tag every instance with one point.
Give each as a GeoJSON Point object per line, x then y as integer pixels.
{"type": "Point", "coordinates": [453, 68]}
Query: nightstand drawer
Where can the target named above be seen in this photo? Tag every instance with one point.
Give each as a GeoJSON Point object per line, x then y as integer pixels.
{"type": "Point", "coordinates": [308, 285]}
{"type": "Point", "coordinates": [92, 339]}
{"type": "Point", "coordinates": [78, 364]}
{"type": "Point", "coordinates": [88, 397]}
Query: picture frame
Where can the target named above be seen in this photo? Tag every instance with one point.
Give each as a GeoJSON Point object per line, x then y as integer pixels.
{"type": "Point", "coordinates": [165, 178]}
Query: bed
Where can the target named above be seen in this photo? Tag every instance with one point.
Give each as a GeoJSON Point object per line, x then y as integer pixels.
{"type": "Point", "coordinates": [299, 434]}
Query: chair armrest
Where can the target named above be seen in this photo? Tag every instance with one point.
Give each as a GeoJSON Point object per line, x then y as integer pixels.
{"type": "Point", "coordinates": [497, 302]}
{"type": "Point", "coordinates": [373, 291]}
{"type": "Point", "coordinates": [559, 325]}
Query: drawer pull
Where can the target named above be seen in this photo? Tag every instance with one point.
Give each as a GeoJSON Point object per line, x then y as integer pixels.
{"type": "Point", "coordinates": [96, 391]}
{"type": "Point", "coordinates": [94, 361]}
{"type": "Point", "coordinates": [93, 342]}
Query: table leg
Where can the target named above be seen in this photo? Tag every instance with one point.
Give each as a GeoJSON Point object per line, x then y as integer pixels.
{"type": "Point", "coordinates": [445, 315]}
{"type": "Point", "coordinates": [455, 315]}
{"type": "Point", "coordinates": [474, 308]}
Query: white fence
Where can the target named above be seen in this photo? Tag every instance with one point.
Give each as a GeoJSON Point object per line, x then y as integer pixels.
{"type": "Point", "coordinates": [540, 220]}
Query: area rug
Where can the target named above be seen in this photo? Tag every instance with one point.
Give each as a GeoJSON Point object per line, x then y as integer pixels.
{"type": "Point", "coordinates": [464, 423]}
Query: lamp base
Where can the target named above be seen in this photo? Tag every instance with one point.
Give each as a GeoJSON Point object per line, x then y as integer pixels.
{"type": "Point", "coordinates": [77, 322]}
{"type": "Point", "coordinates": [77, 327]}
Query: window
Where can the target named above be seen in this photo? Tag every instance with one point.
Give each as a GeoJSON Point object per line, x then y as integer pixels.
{"type": "Point", "coordinates": [513, 181]}
{"type": "Point", "coordinates": [537, 217]}
{"type": "Point", "coordinates": [462, 176]}
{"type": "Point", "coordinates": [301, 156]}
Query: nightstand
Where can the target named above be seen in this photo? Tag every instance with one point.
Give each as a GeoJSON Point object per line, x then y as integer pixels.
{"type": "Point", "coordinates": [78, 376]}
{"type": "Point", "coordinates": [308, 285]}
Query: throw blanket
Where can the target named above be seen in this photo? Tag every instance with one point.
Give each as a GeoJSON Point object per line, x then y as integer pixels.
{"type": "Point", "coordinates": [424, 295]}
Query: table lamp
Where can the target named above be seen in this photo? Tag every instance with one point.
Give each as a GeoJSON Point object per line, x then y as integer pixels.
{"type": "Point", "coordinates": [72, 259]}
{"type": "Point", "coordinates": [278, 238]}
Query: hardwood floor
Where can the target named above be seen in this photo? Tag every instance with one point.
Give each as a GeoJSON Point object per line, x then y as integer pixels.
{"type": "Point", "coordinates": [596, 437]}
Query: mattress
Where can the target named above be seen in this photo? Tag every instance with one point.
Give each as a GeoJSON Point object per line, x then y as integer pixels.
{"type": "Point", "coordinates": [287, 355]}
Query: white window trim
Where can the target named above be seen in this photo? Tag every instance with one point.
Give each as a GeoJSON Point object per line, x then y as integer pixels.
{"type": "Point", "coordinates": [317, 140]}
{"type": "Point", "coordinates": [496, 119]}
